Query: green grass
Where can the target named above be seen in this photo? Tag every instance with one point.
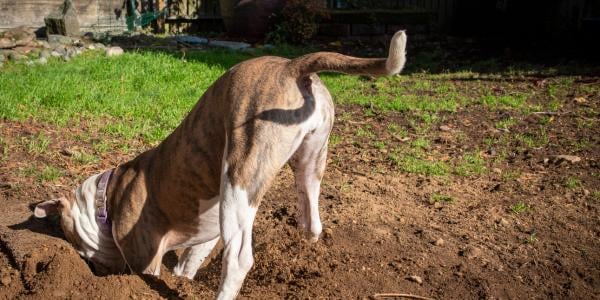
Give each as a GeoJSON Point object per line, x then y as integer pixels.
{"type": "Point", "coordinates": [84, 158]}
{"type": "Point", "coordinates": [504, 101]}
{"type": "Point", "coordinates": [520, 207]}
{"type": "Point", "coordinates": [437, 197]}
{"type": "Point", "coordinates": [47, 174]}
{"type": "Point", "coordinates": [334, 140]}
{"type": "Point", "coordinates": [37, 144]}
{"type": "Point", "coordinates": [411, 163]}
{"type": "Point", "coordinates": [572, 183]}
{"type": "Point", "coordinates": [505, 124]}
{"type": "Point", "coordinates": [470, 164]}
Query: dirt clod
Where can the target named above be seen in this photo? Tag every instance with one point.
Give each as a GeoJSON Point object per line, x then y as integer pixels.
{"type": "Point", "coordinates": [415, 278]}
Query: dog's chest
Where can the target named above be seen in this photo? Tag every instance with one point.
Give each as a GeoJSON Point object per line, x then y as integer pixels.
{"type": "Point", "coordinates": [199, 230]}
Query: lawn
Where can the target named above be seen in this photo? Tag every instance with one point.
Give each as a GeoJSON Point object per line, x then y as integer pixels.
{"type": "Point", "coordinates": [446, 171]}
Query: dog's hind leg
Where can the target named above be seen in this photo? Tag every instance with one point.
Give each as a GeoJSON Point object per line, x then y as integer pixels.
{"type": "Point", "coordinates": [308, 164]}
{"type": "Point", "coordinates": [192, 258]}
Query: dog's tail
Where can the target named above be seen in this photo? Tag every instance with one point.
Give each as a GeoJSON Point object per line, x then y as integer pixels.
{"type": "Point", "coordinates": [335, 62]}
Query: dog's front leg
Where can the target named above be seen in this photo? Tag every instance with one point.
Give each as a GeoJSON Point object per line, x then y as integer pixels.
{"type": "Point", "coordinates": [192, 258]}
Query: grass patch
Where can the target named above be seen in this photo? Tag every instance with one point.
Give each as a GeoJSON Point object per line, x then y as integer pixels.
{"type": "Point", "coordinates": [38, 144]}
{"type": "Point", "coordinates": [365, 131]}
{"type": "Point", "coordinates": [379, 145]}
{"type": "Point", "coordinates": [47, 174]}
{"type": "Point", "coordinates": [503, 101]}
{"type": "Point", "coordinates": [505, 124]}
{"type": "Point", "coordinates": [84, 158]}
{"type": "Point", "coordinates": [437, 197]}
{"type": "Point", "coordinates": [572, 183]}
{"type": "Point", "coordinates": [520, 207]}
{"type": "Point", "coordinates": [334, 140]}
{"type": "Point", "coordinates": [470, 164]}
{"type": "Point", "coordinates": [413, 164]}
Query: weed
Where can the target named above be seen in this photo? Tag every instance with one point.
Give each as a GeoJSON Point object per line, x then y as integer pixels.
{"type": "Point", "coordinates": [532, 238]}
{"type": "Point", "coordinates": [414, 164]}
{"type": "Point", "coordinates": [510, 175]}
{"type": "Point", "coordinates": [545, 120]}
{"type": "Point", "coordinates": [596, 195]}
{"type": "Point", "coordinates": [38, 144]}
{"type": "Point", "coordinates": [334, 140]}
{"type": "Point", "coordinates": [437, 197]}
{"type": "Point", "coordinates": [470, 164]}
{"type": "Point", "coordinates": [520, 207]}
{"type": "Point", "coordinates": [420, 143]}
{"type": "Point", "coordinates": [572, 183]}
{"type": "Point", "coordinates": [49, 174]}
{"type": "Point", "coordinates": [398, 131]}
{"type": "Point", "coordinates": [84, 158]}
{"type": "Point", "coordinates": [365, 132]}
{"type": "Point", "coordinates": [28, 171]}
{"type": "Point", "coordinates": [504, 101]}
{"type": "Point", "coordinates": [505, 124]}
{"type": "Point", "coordinates": [379, 145]}
{"type": "Point", "coordinates": [101, 147]}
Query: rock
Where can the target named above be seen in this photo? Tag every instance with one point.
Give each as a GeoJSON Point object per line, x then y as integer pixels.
{"type": "Point", "coordinates": [445, 128]}
{"type": "Point", "coordinates": [438, 205]}
{"type": "Point", "coordinates": [45, 54]}
{"type": "Point", "coordinates": [6, 280]}
{"type": "Point", "coordinates": [2, 58]}
{"type": "Point", "coordinates": [558, 159]}
{"type": "Point", "coordinates": [20, 36]}
{"type": "Point", "coordinates": [440, 242]}
{"type": "Point", "coordinates": [471, 252]}
{"type": "Point", "coordinates": [91, 47]}
{"type": "Point", "coordinates": [100, 46]}
{"type": "Point", "coordinates": [497, 170]}
{"type": "Point", "coordinates": [415, 278]}
{"type": "Point", "coordinates": [6, 43]}
{"type": "Point", "coordinates": [229, 44]}
{"type": "Point", "coordinates": [63, 21]}
{"type": "Point", "coordinates": [42, 60]}
{"type": "Point", "coordinates": [43, 44]}
{"type": "Point", "coordinates": [327, 233]}
{"type": "Point", "coordinates": [55, 54]}
{"type": "Point", "coordinates": [59, 39]}
{"type": "Point", "coordinates": [268, 46]}
{"type": "Point", "coordinates": [114, 51]}
{"type": "Point", "coordinates": [191, 40]}
{"type": "Point", "coordinates": [14, 56]}
{"type": "Point", "coordinates": [503, 222]}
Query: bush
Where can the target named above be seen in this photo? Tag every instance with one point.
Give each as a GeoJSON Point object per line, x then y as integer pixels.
{"type": "Point", "coordinates": [297, 22]}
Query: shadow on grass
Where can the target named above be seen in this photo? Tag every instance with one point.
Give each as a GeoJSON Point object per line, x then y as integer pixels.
{"type": "Point", "coordinates": [426, 55]}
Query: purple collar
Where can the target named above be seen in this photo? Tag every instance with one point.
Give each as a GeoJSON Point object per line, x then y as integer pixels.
{"type": "Point", "coordinates": [100, 199]}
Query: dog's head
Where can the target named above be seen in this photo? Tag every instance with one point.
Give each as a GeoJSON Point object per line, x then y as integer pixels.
{"type": "Point", "coordinates": [77, 220]}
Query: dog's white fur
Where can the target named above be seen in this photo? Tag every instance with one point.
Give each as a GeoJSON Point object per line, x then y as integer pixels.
{"type": "Point", "coordinates": [97, 243]}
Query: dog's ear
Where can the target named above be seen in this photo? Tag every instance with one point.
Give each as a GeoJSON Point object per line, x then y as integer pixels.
{"type": "Point", "coordinates": [48, 208]}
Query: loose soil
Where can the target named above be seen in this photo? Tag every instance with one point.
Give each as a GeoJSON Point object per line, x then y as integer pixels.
{"type": "Point", "coordinates": [381, 226]}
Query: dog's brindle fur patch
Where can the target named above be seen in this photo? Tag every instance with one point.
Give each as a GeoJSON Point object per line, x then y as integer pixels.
{"type": "Point", "coordinates": [155, 201]}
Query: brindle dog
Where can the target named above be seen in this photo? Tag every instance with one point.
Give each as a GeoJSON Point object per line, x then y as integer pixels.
{"type": "Point", "coordinates": [205, 181]}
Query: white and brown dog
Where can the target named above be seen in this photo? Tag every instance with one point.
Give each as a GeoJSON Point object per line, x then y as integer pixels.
{"type": "Point", "coordinates": [205, 181]}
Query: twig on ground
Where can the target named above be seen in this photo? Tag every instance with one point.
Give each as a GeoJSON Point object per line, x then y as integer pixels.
{"type": "Point", "coordinates": [395, 295]}
{"type": "Point", "coordinates": [553, 113]}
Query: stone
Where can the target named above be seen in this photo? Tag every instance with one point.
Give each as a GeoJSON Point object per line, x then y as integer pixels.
{"type": "Point", "coordinates": [91, 47]}
{"type": "Point", "coordinates": [45, 54]}
{"type": "Point", "coordinates": [55, 54]}
{"type": "Point", "coordinates": [228, 44]}
{"type": "Point", "coordinates": [43, 44]}
{"type": "Point", "coordinates": [6, 280]}
{"type": "Point", "coordinates": [557, 159]}
{"type": "Point", "coordinates": [439, 242]}
{"type": "Point", "coordinates": [14, 56]}
{"type": "Point", "coordinates": [445, 128]}
{"type": "Point", "coordinates": [471, 252]}
{"type": "Point", "coordinates": [496, 170]}
{"type": "Point", "coordinates": [20, 36]}
{"type": "Point", "coordinates": [2, 58]}
{"type": "Point", "coordinates": [6, 43]}
{"type": "Point", "coordinates": [100, 46]}
{"type": "Point", "coordinates": [191, 40]}
{"type": "Point", "coordinates": [63, 21]}
{"type": "Point", "coordinates": [415, 278]}
{"type": "Point", "coordinates": [114, 51]}
{"type": "Point", "coordinates": [42, 61]}
{"type": "Point", "coordinates": [59, 39]}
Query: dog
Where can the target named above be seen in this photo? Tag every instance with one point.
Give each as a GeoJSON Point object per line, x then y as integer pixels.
{"type": "Point", "coordinates": [205, 181]}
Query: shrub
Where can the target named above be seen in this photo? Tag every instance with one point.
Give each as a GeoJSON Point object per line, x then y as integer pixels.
{"type": "Point", "coordinates": [297, 22]}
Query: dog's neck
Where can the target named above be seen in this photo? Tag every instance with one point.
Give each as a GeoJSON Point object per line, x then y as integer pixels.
{"type": "Point", "coordinates": [96, 241]}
